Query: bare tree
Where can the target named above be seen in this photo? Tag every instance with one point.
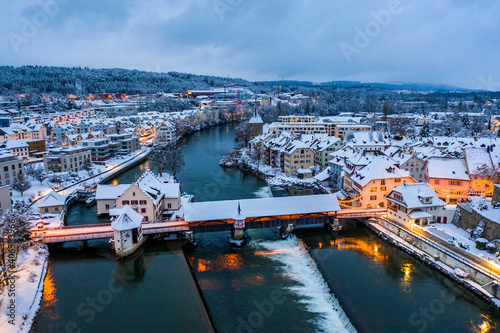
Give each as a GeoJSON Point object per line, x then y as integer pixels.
{"type": "Point", "coordinates": [87, 165]}
{"type": "Point", "coordinates": [21, 184]}
{"type": "Point", "coordinates": [38, 173]}
{"type": "Point", "coordinates": [166, 157]}
{"type": "Point", "coordinates": [14, 236]}
{"type": "Point", "coordinates": [242, 134]}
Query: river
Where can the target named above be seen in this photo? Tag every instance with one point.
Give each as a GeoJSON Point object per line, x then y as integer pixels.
{"type": "Point", "coordinates": [271, 285]}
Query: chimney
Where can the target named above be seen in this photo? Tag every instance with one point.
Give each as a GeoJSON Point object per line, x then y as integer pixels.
{"type": "Point", "coordinates": [404, 182]}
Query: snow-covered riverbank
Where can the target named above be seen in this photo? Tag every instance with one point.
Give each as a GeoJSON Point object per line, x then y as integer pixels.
{"type": "Point", "coordinates": [20, 300]}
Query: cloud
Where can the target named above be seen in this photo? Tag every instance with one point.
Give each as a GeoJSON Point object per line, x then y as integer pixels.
{"type": "Point", "coordinates": [454, 42]}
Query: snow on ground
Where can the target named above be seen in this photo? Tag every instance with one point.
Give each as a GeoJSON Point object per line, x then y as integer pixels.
{"type": "Point", "coordinates": [454, 235]}
{"type": "Point", "coordinates": [32, 267]}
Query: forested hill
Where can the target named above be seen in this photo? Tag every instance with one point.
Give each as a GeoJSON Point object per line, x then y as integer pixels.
{"type": "Point", "coordinates": [76, 80]}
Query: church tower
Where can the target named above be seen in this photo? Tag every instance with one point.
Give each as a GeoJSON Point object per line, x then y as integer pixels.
{"type": "Point", "coordinates": [256, 125]}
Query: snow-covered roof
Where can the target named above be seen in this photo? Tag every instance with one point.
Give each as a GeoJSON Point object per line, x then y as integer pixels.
{"type": "Point", "coordinates": [155, 188]}
{"type": "Point", "coordinates": [478, 159]}
{"type": "Point", "coordinates": [52, 199]}
{"type": "Point", "coordinates": [417, 214]}
{"type": "Point", "coordinates": [127, 218]}
{"type": "Point", "coordinates": [378, 168]}
{"type": "Point", "coordinates": [110, 192]}
{"type": "Point", "coordinates": [12, 144]}
{"type": "Point", "coordinates": [447, 168]}
{"type": "Point", "coordinates": [412, 193]}
{"type": "Point", "coordinates": [222, 210]}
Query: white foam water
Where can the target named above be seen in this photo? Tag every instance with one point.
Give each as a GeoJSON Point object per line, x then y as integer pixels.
{"type": "Point", "coordinates": [264, 192]}
{"type": "Point", "coordinates": [311, 287]}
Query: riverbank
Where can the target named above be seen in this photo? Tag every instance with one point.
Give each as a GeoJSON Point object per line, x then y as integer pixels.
{"type": "Point", "coordinates": [272, 176]}
{"type": "Point", "coordinates": [438, 258]}
{"type": "Point", "coordinates": [21, 300]}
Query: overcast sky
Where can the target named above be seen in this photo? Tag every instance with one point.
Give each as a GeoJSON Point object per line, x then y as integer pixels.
{"type": "Point", "coordinates": [454, 42]}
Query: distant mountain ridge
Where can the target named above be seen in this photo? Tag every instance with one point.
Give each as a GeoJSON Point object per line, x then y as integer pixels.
{"type": "Point", "coordinates": [77, 80]}
{"type": "Point", "coordinates": [377, 85]}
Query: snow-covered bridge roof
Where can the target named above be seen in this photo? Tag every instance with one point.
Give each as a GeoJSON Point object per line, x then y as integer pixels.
{"type": "Point", "coordinates": [222, 210]}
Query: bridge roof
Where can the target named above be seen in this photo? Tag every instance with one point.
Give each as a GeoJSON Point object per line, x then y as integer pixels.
{"type": "Point", "coordinates": [222, 210]}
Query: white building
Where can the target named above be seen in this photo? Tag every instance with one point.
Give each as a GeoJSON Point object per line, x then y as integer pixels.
{"type": "Point", "coordinates": [416, 204]}
{"type": "Point", "coordinates": [127, 227]}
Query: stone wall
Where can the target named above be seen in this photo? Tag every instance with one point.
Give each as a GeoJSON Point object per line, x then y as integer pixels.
{"type": "Point", "coordinates": [469, 219]}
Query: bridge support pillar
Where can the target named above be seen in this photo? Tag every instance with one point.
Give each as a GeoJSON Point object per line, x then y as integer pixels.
{"type": "Point", "coordinates": [285, 231]}
{"type": "Point", "coordinates": [334, 225]}
{"type": "Point", "coordinates": [190, 237]}
{"type": "Point", "coordinates": [83, 244]}
{"type": "Point", "coordinates": [237, 237]}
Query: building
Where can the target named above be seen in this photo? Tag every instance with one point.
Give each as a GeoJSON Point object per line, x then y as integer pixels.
{"type": "Point", "coordinates": [255, 126]}
{"type": "Point", "coordinates": [296, 119]}
{"type": "Point", "coordinates": [297, 156]}
{"type": "Point", "coordinates": [100, 149]}
{"type": "Point", "coordinates": [340, 130]}
{"type": "Point", "coordinates": [127, 227]}
{"type": "Point", "coordinates": [481, 170]}
{"type": "Point", "coordinates": [449, 178]}
{"type": "Point", "coordinates": [66, 159]}
{"type": "Point", "coordinates": [166, 132]}
{"type": "Point", "coordinates": [366, 140]}
{"type": "Point", "coordinates": [52, 203]}
{"type": "Point", "coordinates": [416, 204]}
{"type": "Point", "coordinates": [126, 143]}
{"type": "Point", "coordinates": [5, 201]}
{"type": "Point", "coordinates": [17, 147]}
{"type": "Point", "coordinates": [10, 167]}
{"type": "Point", "coordinates": [368, 185]}
{"type": "Point", "coordinates": [106, 196]}
{"type": "Point", "coordinates": [36, 148]}
{"type": "Point", "coordinates": [150, 197]}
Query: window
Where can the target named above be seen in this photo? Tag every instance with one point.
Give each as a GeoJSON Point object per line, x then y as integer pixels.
{"type": "Point", "coordinates": [46, 210]}
{"type": "Point", "coordinates": [373, 197]}
{"type": "Point", "coordinates": [169, 205]}
{"type": "Point", "coordinates": [56, 209]}
{"type": "Point", "coordinates": [383, 188]}
{"type": "Point", "coordinates": [134, 202]}
{"type": "Point", "coordinates": [143, 210]}
{"type": "Point", "coordinates": [142, 202]}
{"type": "Point", "coordinates": [397, 180]}
{"type": "Point", "coordinates": [125, 202]}
{"type": "Point", "coordinates": [436, 181]}
{"type": "Point", "coordinates": [373, 189]}
{"type": "Point", "coordinates": [107, 207]}
{"type": "Point", "coordinates": [6, 168]}
{"type": "Point", "coordinates": [382, 182]}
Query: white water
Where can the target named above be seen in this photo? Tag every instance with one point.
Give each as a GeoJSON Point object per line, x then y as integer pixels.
{"type": "Point", "coordinates": [311, 287]}
{"type": "Point", "coordinates": [263, 192]}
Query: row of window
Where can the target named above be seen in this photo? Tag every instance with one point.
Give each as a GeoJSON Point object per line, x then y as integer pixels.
{"type": "Point", "coordinates": [134, 202]}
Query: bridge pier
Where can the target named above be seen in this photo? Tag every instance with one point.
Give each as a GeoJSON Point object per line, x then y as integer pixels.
{"type": "Point", "coordinates": [286, 231]}
{"type": "Point", "coordinates": [83, 244]}
{"type": "Point", "coordinates": [237, 234]}
{"type": "Point", "coordinates": [189, 235]}
{"type": "Point", "coordinates": [333, 225]}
